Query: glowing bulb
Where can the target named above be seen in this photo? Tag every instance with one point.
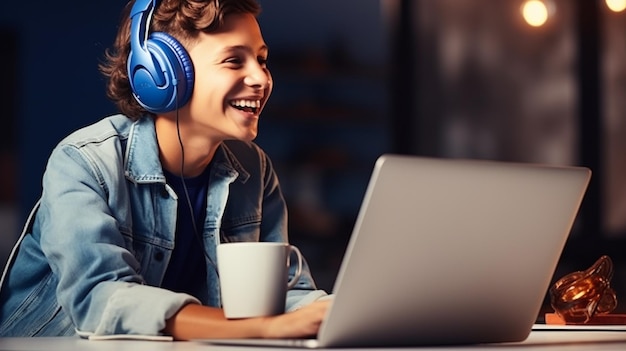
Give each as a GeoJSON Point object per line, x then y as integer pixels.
{"type": "Point", "coordinates": [535, 12]}
{"type": "Point", "coordinates": [616, 5]}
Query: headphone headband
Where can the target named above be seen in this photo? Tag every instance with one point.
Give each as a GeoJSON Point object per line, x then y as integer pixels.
{"type": "Point", "coordinates": [139, 27]}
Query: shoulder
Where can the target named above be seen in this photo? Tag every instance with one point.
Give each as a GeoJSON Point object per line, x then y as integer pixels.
{"type": "Point", "coordinates": [98, 147]}
{"type": "Point", "coordinates": [248, 156]}
{"type": "Point", "coordinates": [115, 126]}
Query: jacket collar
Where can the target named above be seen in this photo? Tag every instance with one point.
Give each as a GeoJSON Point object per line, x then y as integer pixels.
{"type": "Point", "coordinates": [143, 165]}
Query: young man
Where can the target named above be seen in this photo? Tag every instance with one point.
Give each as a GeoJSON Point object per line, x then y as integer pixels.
{"type": "Point", "coordinates": [123, 238]}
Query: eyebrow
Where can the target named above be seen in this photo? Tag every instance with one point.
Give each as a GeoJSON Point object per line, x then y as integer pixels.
{"type": "Point", "coordinates": [243, 48]}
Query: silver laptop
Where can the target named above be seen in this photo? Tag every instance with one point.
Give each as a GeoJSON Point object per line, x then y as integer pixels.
{"type": "Point", "coordinates": [448, 252]}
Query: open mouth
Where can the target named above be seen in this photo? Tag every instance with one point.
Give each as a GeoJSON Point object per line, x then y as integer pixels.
{"type": "Point", "coordinates": [250, 106]}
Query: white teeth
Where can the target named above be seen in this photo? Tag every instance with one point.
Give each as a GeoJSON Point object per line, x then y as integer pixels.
{"type": "Point", "coordinates": [246, 103]}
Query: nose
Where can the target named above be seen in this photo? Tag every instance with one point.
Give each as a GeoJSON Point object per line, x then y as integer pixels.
{"type": "Point", "coordinates": [257, 76]}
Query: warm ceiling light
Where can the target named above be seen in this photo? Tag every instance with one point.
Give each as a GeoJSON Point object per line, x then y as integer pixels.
{"type": "Point", "coordinates": [616, 5]}
{"type": "Point", "coordinates": [535, 12]}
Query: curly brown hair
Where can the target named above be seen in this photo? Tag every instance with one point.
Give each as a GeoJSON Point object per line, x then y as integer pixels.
{"type": "Point", "coordinates": [183, 20]}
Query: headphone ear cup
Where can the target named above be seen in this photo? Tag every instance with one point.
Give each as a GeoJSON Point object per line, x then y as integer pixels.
{"type": "Point", "coordinates": [174, 61]}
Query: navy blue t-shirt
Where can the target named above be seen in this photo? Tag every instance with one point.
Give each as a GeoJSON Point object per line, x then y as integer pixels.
{"type": "Point", "coordinates": [186, 271]}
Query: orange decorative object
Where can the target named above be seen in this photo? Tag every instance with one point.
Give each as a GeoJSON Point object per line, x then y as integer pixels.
{"type": "Point", "coordinates": [602, 319]}
{"type": "Point", "coordinates": [580, 296]}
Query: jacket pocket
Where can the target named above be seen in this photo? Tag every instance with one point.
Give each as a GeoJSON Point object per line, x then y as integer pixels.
{"type": "Point", "coordinates": [242, 229]}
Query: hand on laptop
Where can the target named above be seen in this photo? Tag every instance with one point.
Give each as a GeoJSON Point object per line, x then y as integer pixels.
{"type": "Point", "coordinates": [304, 322]}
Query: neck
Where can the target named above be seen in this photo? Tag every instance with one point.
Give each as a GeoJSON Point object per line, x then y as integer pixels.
{"type": "Point", "coordinates": [198, 149]}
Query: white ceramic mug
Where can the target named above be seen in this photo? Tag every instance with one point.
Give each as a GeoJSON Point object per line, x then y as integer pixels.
{"type": "Point", "coordinates": [254, 277]}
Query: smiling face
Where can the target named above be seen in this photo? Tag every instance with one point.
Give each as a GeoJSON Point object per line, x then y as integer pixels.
{"type": "Point", "coordinates": [232, 81]}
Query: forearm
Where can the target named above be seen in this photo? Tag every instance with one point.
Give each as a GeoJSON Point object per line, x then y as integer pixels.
{"type": "Point", "coordinates": [196, 321]}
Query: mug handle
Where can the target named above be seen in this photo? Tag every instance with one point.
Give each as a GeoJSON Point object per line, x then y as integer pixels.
{"type": "Point", "coordinates": [296, 276]}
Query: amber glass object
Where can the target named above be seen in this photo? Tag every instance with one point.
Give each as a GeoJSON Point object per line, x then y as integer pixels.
{"type": "Point", "coordinates": [579, 296]}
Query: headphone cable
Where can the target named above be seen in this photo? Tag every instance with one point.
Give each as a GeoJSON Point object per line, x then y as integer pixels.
{"type": "Point", "coordinates": [187, 198]}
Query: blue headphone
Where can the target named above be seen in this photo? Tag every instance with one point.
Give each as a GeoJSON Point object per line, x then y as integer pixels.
{"type": "Point", "coordinates": [160, 70]}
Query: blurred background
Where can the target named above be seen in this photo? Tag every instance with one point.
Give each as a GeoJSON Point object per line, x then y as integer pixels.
{"type": "Point", "coordinates": [511, 80]}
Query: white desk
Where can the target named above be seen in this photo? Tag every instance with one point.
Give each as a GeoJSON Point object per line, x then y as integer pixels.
{"type": "Point", "coordinates": [538, 340]}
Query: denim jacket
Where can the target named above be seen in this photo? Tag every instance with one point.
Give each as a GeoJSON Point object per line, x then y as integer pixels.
{"type": "Point", "coordinates": [96, 247]}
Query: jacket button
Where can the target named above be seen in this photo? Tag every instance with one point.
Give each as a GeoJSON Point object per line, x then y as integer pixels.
{"type": "Point", "coordinates": [158, 256]}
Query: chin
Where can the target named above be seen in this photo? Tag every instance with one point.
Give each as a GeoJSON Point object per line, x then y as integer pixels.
{"type": "Point", "coordinates": [250, 136]}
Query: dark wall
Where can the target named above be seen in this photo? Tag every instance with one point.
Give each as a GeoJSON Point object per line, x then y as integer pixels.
{"type": "Point", "coordinates": [58, 85]}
